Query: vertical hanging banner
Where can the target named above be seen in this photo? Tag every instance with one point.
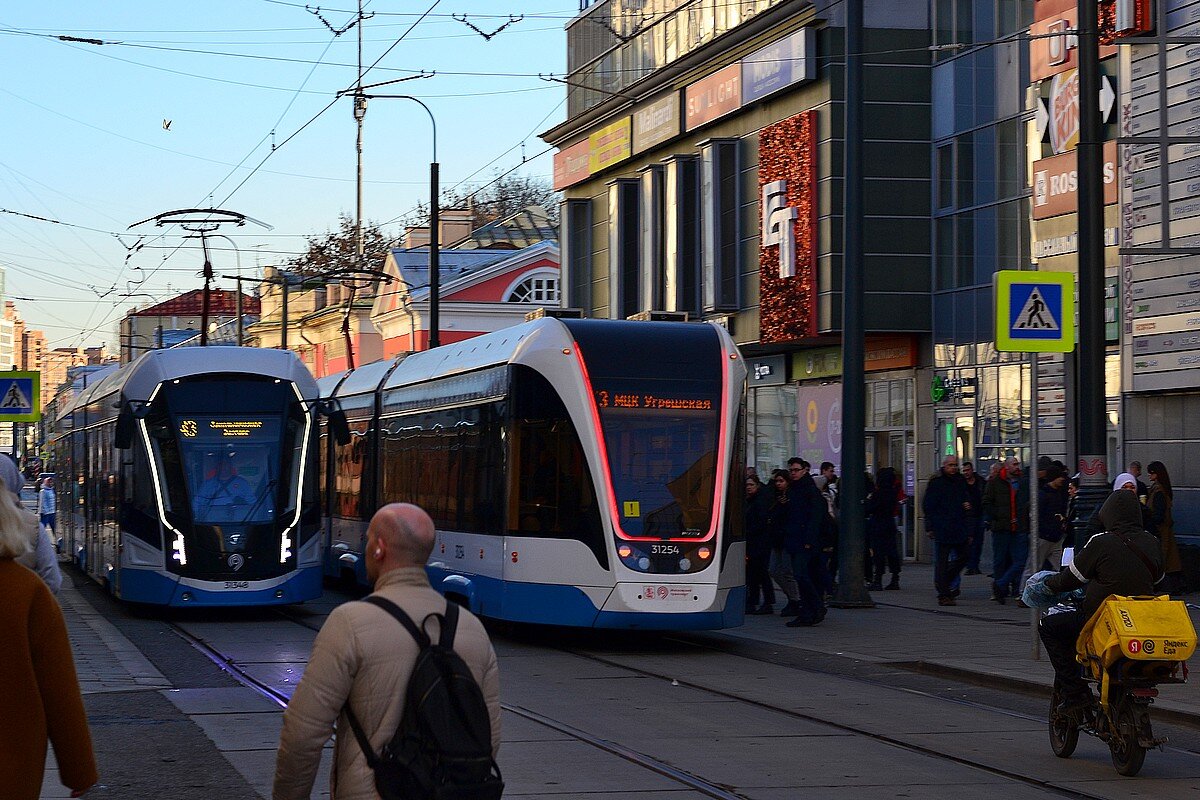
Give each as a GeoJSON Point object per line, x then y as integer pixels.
{"type": "Point", "coordinates": [787, 179]}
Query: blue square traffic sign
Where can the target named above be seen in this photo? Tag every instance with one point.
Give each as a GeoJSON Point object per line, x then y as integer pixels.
{"type": "Point", "coordinates": [20, 399]}
{"type": "Point", "coordinates": [1035, 311]}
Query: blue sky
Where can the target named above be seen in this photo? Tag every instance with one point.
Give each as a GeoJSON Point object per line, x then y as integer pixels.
{"type": "Point", "coordinates": [84, 140]}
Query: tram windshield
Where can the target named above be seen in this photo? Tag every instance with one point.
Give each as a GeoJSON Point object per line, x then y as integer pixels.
{"type": "Point", "coordinates": [229, 465]}
{"type": "Point", "coordinates": [658, 393]}
{"type": "Point", "coordinates": [662, 458]}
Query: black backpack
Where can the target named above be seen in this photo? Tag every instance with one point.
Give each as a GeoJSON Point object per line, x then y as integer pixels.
{"type": "Point", "coordinates": [443, 746]}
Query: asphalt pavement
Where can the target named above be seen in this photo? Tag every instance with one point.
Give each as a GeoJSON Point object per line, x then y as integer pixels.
{"type": "Point", "coordinates": [166, 720]}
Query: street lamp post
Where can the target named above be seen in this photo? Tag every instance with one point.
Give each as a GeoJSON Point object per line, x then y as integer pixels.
{"type": "Point", "coordinates": [434, 236]}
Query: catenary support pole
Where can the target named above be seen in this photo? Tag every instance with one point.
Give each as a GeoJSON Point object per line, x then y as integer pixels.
{"type": "Point", "coordinates": [1091, 407]}
{"type": "Point", "coordinates": [435, 268]}
{"type": "Point", "coordinates": [240, 328]}
{"type": "Point", "coordinates": [851, 590]}
{"type": "Point", "coordinates": [204, 303]}
{"type": "Point", "coordinates": [1033, 562]}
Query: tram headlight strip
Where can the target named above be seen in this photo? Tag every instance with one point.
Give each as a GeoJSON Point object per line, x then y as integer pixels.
{"type": "Point", "coordinates": [285, 540]}
{"type": "Point", "coordinates": [178, 547]}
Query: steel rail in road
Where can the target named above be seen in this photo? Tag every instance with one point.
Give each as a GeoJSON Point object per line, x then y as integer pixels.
{"type": "Point", "coordinates": [699, 784]}
{"type": "Point", "coordinates": [227, 665]}
{"type": "Point", "coordinates": [1047, 786]}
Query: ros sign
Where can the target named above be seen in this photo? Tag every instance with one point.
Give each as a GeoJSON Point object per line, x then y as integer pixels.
{"type": "Point", "coordinates": [1064, 111]}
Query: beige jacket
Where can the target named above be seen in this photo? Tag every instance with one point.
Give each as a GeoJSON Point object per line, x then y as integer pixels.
{"type": "Point", "coordinates": [364, 655]}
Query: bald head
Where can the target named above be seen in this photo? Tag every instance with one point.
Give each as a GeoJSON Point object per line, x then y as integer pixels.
{"type": "Point", "coordinates": [400, 535]}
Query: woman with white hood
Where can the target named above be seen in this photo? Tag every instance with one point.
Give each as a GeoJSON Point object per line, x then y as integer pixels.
{"type": "Point", "coordinates": [1128, 482]}
{"type": "Point", "coordinates": [40, 558]}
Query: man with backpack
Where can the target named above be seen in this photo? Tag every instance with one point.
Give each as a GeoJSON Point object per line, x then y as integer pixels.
{"type": "Point", "coordinates": [415, 715]}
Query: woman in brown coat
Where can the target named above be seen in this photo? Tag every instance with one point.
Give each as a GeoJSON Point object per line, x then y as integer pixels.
{"type": "Point", "coordinates": [41, 691]}
{"type": "Point", "coordinates": [1160, 500]}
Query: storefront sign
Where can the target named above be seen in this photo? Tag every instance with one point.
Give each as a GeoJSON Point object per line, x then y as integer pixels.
{"type": "Point", "coordinates": [784, 63]}
{"type": "Point", "coordinates": [656, 123]}
{"type": "Point", "coordinates": [880, 353]}
{"type": "Point", "coordinates": [1064, 111]}
{"type": "Point", "coordinates": [571, 165]}
{"type": "Point", "coordinates": [1052, 45]}
{"type": "Point", "coordinates": [768, 370]}
{"type": "Point", "coordinates": [820, 429]}
{"type": "Point", "coordinates": [1055, 183]}
{"type": "Point", "coordinates": [713, 97]}
{"type": "Point", "coordinates": [1065, 245]}
{"type": "Point", "coordinates": [610, 145]}
{"type": "Point", "coordinates": [819, 362]}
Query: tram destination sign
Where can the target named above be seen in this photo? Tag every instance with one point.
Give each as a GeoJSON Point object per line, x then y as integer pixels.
{"type": "Point", "coordinates": [651, 402]}
{"type": "Point", "coordinates": [20, 396]}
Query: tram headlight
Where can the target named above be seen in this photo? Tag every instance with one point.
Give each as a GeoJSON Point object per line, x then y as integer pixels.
{"type": "Point", "coordinates": [624, 551]}
{"type": "Point", "coordinates": [285, 547]}
{"type": "Point", "coordinates": [179, 551]}
{"type": "Point", "coordinates": [685, 564]}
{"type": "Point", "coordinates": [704, 553]}
{"type": "Point", "coordinates": [643, 563]}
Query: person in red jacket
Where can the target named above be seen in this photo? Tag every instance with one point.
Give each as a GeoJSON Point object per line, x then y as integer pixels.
{"type": "Point", "coordinates": [42, 702]}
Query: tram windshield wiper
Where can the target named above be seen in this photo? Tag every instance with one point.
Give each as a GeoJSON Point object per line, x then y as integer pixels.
{"type": "Point", "coordinates": [268, 488]}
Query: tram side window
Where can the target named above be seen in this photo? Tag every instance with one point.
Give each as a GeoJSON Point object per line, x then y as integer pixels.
{"type": "Point", "coordinates": [141, 520]}
{"type": "Point", "coordinates": [553, 494]}
{"type": "Point", "coordinates": [350, 463]}
{"type": "Point", "coordinates": [448, 462]}
{"type": "Point", "coordinates": [323, 469]}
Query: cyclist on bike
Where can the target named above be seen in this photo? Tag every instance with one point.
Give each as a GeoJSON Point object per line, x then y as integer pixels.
{"type": "Point", "coordinates": [1124, 560]}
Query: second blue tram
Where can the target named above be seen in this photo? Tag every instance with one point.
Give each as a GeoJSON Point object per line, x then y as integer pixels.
{"type": "Point", "coordinates": [189, 477]}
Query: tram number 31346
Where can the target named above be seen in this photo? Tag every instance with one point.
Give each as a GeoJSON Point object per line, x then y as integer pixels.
{"type": "Point", "coordinates": [237, 584]}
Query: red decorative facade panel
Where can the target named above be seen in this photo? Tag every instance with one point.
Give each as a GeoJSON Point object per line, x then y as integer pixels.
{"type": "Point", "coordinates": [787, 182]}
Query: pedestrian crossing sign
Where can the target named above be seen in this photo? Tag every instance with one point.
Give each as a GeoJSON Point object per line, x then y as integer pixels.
{"type": "Point", "coordinates": [20, 396]}
{"type": "Point", "coordinates": [1035, 311]}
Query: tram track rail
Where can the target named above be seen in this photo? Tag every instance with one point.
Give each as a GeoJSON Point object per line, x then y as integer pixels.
{"type": "Point", "coordinates": [662, 768]}
{"type": "Point", "coordinates": [698, 783]}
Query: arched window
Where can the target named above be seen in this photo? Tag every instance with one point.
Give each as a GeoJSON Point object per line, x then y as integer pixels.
{"type": "Point", "coordinates": [540, 288]}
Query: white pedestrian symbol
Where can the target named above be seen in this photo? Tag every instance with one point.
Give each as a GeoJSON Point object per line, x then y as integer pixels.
{"type": "Point", "coordinates": [1034, 315]}
{"type": "Point", "coordinates": [14, 397]}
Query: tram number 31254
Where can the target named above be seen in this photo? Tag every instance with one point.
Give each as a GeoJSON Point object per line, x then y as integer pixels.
{"type": "Point", "coordinates": [664, 549]}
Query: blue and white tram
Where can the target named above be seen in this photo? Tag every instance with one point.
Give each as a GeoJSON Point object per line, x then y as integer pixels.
{"type": "Point", "coordinates": [580, 472]}
{"type": "Point", "coordinates": [188, 477]}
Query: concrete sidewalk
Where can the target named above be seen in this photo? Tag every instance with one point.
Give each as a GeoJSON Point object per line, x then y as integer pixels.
{"type": "Point", "coordinates": [978, 640]}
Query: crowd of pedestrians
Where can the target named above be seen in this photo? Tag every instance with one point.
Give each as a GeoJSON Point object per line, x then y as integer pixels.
{"type": "Point", "coordinates": [792, 523]}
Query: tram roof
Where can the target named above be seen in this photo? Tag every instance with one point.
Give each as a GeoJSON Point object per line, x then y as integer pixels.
{"type": "Point", "coordinates": [498, 347]}
{"type": "Point", "coordinates": [137, 379]}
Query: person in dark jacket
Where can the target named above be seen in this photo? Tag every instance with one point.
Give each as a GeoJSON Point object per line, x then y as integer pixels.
{"type": "Point", "coordinates": [881, 529]}
{"type": "Point", "coordinates": [946, 505]}
{"type": "Point", "coordinates": [1125, 560]}
{"type": "Point", "coordinates": [1006, 507]}
{"type": "Point", "coordinates": [802, 540]}
{"type": "Point", "coordinates": [758, 548]}
{"type": "Point", "coordinates": [1159, 502]}
{"type": "Point", "coordinates": [974, 517]}
{"type": "Point", "coordinates": [1052, 515]}
{"type": "Point", "coordinates": [780, 563]}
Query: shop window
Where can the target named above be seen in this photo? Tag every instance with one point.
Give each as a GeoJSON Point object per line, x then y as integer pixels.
{"type": "Point", "coordinates": [652, 237]}
{"type": "Point", "coordinates": [624, 252]}
{"type": "Point", "coordinates": [681, 242]}
{"type": "Point", "coordinates": [577, 254]}
{"type": "Point", "coordinates": [775, 427]}
{"type": "Point", "coordinates": [720, 224]}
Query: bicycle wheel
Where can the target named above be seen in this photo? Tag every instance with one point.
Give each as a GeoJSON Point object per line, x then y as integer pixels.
{"type": "Point", "coordinates": [1127, 755]}
{"type": "Point", "coordinates": [1064, 730]}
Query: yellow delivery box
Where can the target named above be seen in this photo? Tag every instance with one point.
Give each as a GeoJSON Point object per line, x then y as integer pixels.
{"type": "Point", "coordinates": [1148, 629]}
